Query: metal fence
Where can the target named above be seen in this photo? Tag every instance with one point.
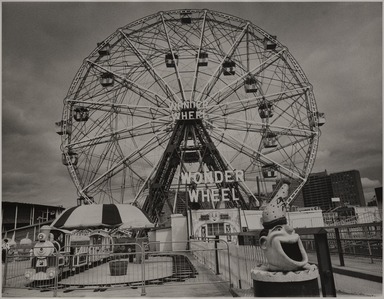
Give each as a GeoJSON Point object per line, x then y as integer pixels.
{"type": "Point", "coordinates": [234, 263]}
{"type": "Point", "coordinates": [353, 241]}
{"type": "Point", "coordinates": [348, 245]}
{"type": "Point", "coordinates": [130, 265]}
{"type": "Point", "coordinates": [46, 268]}
{"type": "Point", "coordinates": [154, 264]}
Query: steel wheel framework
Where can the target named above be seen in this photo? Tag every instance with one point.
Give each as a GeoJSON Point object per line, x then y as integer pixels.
{"type": "Point", "coordinates": [122, 109]}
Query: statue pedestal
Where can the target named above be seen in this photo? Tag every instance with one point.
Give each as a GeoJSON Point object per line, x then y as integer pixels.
{"type": "Point", "coordinates": [302, 283]}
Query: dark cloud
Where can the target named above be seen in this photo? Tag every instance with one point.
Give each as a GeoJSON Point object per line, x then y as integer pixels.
{"type": "Point", "coordinates": [338, 45]}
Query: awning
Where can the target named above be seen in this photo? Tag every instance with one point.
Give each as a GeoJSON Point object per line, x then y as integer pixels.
{"type": "Point", "coordinates": [102, 216]}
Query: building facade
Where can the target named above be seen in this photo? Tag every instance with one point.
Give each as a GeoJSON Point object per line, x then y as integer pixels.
{"type": "Point", "coordinates": [344, 187]}
{"type": "Point", "coordinates": [16, 214]}
{"type": "Point", "coordinates": [347, 186]}
{"type": "Point", "coordinates": [317, 192]}
{"type": "Point", "coordinates": [299, 199]}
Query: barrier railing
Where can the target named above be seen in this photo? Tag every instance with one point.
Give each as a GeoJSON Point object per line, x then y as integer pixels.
{"type": "Point", "coordinates": [242, 259]}
{"type": "Point", "coordinates": [194, 261]}
{"type": "Point", "coordinates": [85, 266]}
{"type": "Point", "coordinates": [214, 254]}
{"type": "Point", "coordinates": [363, 241]}
{"type": "Point", "coordinates": [130, 265]}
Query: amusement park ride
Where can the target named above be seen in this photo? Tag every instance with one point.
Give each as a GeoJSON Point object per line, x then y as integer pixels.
{"type": "Point", "coordinates": [184, 109]}
{"type": "Point", "coordinates": [184, 92]}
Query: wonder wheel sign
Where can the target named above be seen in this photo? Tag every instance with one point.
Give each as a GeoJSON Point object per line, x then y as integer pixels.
{"type": "Point", "coordinates": [188, 106]}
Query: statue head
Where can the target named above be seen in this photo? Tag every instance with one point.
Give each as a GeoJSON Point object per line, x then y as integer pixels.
{"type": "Point", "coordinates": [282, 246]}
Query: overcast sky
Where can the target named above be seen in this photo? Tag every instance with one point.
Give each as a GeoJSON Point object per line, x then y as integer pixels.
{"type": "Point", "coordinates": [338, 45]}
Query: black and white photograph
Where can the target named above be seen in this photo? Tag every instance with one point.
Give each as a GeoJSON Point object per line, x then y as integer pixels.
{"type": "Point", "coordinates": [192, 149]}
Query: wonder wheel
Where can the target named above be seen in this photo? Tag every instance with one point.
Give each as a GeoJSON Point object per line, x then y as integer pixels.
{"type": "Point", "coordinates": [183, 92]}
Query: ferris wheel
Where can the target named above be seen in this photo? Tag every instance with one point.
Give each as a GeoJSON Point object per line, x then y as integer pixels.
{"type": "Point", "coordinates": [187, 91]}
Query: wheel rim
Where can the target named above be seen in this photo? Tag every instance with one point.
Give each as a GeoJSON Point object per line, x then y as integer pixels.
{"type": "Point", "coordinates": [120, 109]}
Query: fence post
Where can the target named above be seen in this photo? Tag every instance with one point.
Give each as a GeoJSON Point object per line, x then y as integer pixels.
{"type": "Point", "coordinates": [229, 267]}
{"type": "Point", "coordinates": [339, 247]}
{"type": "Point", "coordinates": [323, 259]}
{"type": "Point", "coordinates": [143, 292]}
{"type": "Point", "coordinates": [370, 251]}
{"type": "Point", "coordinates": [5, 271]}
{"type": "Point", "coordinates": [368, 234]}
{"type": "Point", "coordinates": [217, 255]}
{"type": "Point", "coordinates": [238, 266]}
{"type": "Point", "coordinates": [324, 263]}
{"type": "Point", "coordinates": [56, 278]}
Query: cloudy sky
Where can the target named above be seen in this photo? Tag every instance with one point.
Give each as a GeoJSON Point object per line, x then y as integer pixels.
{"type": "Point", "coordinates": [338, 45]}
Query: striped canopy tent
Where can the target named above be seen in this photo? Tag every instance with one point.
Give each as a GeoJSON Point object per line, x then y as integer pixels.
{"type": "Point", "coordinates": [102, 216]}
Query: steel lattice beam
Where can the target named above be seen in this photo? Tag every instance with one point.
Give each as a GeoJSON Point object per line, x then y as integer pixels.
{"type": "Point", "coordinates": [172, 158]}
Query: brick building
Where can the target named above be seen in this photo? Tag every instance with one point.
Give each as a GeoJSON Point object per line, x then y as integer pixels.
{"type": "Point", "coordinates": [321, 187]}
{"type": "Point", "coordinates": [347, 186]}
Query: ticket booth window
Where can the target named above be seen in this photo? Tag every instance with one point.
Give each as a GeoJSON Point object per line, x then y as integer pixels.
{"type": "Point", "coordinates": [215, 229]}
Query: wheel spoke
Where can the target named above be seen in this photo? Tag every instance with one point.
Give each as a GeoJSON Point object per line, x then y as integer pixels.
{"type": "Point", "coordinates": [141, 91]}
{"type": "Point", "coordinates": [149, 146]}
{"type": "Point", "coordinates": [173, 55]}
{"type": "Point", "coordinates": [148, 112]}
{"type": "Point", "coordinates": [225, 92]}
{"type": "Point", "coordinates": [223, 137]}
{"type": "Point", "coordinates": [198, 53]}
{"type": "Point", "coordinates": [170, 94]}
{"type": "Point", "coordinates": [235, 124]}
{"type": "Point", "coordinates": [235, 106]}
{"type": "Point", "coordinates": [216, 74]}
{"type": "Point", "coordinates": [141, 129]}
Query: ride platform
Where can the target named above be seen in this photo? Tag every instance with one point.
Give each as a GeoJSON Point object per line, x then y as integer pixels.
{"type": "Point", "coordinates": [156, 268]}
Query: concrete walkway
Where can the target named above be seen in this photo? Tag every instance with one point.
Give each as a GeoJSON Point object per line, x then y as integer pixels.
{"type": "Point", "coordinates": [354, 263]}
{"type": "Point", "coordinates": [345, 286]}
{"type": "Point", "coordinates": [167, 291]}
